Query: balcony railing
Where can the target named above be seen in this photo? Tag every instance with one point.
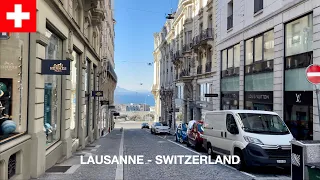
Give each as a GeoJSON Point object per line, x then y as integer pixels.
{"type": "Point", "coordinates": [208, 66]}
{"type": "Point", "coordinates": [199, 69]}
{"type": "Point", "coordinates": [206, 34]}
{"type": "Point", "coordinates": [230, 22]}
{"type": "Point", "coordinates": [196, 41]}
{"type": "Point", "coordinates": [186, 48]}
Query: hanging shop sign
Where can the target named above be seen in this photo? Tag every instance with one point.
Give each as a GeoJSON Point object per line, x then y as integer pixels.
{"type": "Point", "coordinates": [211, 95]}
{"type": "Point", "coordinates": [55, 67]}
{"type": "Point", "coordinates": [97, 93]}
{"type": "Point", "coordinates": [4, 35]}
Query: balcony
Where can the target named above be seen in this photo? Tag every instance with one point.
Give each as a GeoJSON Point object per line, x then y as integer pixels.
{"type": "Point", "coordinates": [230, 22]}
{"type": "Point", "coordinates": [196, 41]}
{"type": "Point", "coordinates": [199, 69]}
{"type": "Point", "coordinates": [186, 48]}
{"type": "Point", "coordinates": [111, 72]}
{"type": "Point", "coordinates": [98, 13]}
{"type": "Point", "coordinates": [208, 67]}
{"type": "Point", "coordinates": [206, 34]}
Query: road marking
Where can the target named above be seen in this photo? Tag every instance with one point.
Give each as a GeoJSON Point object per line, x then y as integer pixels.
{"type": "Point", "coordinates": [248, 174]}
{"type": "Point", "coordinates": [72, 169]}
{"type": "Point", "coordinates": [119, 170]}
{"type": "Point", "coordinates": [97, 146]}
{"type": "Point", "coordinates": [94, 150]}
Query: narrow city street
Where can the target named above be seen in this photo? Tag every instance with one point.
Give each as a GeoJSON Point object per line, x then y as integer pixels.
{"type": "Point", "coordinates": [136, 141]}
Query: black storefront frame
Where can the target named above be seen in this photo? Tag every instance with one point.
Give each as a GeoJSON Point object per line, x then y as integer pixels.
{"type": "Point", "coordinates": [223, 93]}
{"type": "Point", "coordinates": [257, 97]}
{"type": "Point", "coordinates": [233, 68]}
{"type": "Point", "coordinates": [221, 77]}
{"type": "Point", "coordinates": [285, 65]}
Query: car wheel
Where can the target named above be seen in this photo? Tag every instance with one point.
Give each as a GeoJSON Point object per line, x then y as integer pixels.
{"type": "Point", "coordinates": [241, 165]}
{"type": "Point", "coordinates": [181, 140]}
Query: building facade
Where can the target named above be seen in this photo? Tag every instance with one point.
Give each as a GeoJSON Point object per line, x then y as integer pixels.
{"type": "Point", "coordinates": [54, 115]}
{"type": "Point", "coordinates": [264, 48]}
{"type": "Point", "coordinates": [188, 58]}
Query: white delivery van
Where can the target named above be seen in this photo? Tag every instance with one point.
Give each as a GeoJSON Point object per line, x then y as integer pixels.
{"type": "Point", "coordinates": [260, 138]}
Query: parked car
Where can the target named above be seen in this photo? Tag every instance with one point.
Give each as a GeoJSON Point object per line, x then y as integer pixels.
{"type": "Point", "coordinates": [158, 128]}
{"type": "Point", "coordinates": [181, 133]}
{"type": "Point", "coordinates": [144, 125]}
{"type": "Point", "coordinates": [259, 138]}
{"type": "Point", "coordinates": [195, 134]}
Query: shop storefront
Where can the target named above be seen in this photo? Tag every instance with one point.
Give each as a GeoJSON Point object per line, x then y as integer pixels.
{"type": "Point", "coordinates": [230, 67]}
{"type": "Point", "coordinates": [13, 85]}
{"type": "Point", "coordinates": [229, 100]}
{"type": "Point", "coordinates": [75, 71]}
{"type": "Point", "coordinates": [298, 94]}
{"type": "Point", "coordinates": [259, 100]}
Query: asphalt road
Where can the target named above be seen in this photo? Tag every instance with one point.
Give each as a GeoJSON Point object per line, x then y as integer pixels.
{"type": "Point", "coordinates": [135, 141]}
{"type": "Point", "coordinates": [141, 141]}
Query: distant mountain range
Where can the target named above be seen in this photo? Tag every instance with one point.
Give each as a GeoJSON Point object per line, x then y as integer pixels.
{"type": "Point", "coordinates": [125, 96]}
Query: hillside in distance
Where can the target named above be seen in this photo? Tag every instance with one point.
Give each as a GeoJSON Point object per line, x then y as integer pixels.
{"type": "Point", "coordinates": [125, 96]}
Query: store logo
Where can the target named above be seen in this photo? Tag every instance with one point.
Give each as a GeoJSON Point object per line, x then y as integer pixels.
{"type": "Point", "coordinates": [8, 66]}
{"type": "Point", "coordinates": [298, 98]}
{"type": "Point", "coordinates": [58, 68]}
{"type": "Point", "coordinates": [295, 159]}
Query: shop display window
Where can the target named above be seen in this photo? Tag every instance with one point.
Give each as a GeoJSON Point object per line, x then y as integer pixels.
{"type": "Point", "coordinates": [74, 94]}
{"type": "Point", "coordinates": [52, 92]}
{"type": "Point", "coordinates": [13, 85]}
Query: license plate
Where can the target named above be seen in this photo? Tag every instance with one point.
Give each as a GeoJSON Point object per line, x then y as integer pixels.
{"type": "Point", "coordinates": [281, 161]}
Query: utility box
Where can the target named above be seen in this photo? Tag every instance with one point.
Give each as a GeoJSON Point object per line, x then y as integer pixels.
{"type": "Point", "coordinates": [304, 156]}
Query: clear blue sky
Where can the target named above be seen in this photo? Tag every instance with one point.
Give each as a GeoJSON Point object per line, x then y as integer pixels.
{"type": "Point", "coordinates": [137, 20]}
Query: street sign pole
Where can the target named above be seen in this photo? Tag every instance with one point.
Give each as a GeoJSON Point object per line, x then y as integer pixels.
{"type": "Point", "coordinates": [313, 76]}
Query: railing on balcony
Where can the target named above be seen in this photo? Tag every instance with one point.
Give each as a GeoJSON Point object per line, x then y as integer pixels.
{"type": "Point", "coordinates": [196, 41]}
{"type": "Point", "coordinates": [199, 69]}
{"type": "Point", "coordinates": [206, 34]}
{"type": "Point", "coordinates": [208, 66]}
{"type": "Point", "coordinates": [230, 22]}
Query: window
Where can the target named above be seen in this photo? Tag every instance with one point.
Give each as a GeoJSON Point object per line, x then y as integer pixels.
{"type": "Point", "coordinates": [259, 53]}
{"type": "Point", "coordinates": [94, 108]}
{"type": "Point", "coordinates": [210, 22]}
{"type": "Point", "coordinates": [13, 87]}
{"type": "Point", "coordinates": [231, 61]}
{"type": "Point", "coordinates": [74, 94]}
{"type": "Point", "coordinates": [87, 93]}
{"type": "Point", "coordinates": [230, 122]}
{"type": "Point", "coordinates": [258, 5]}
{"type": "Point", "coordinates": [230, 15]}
{"type": "Point", "coordinates": [299, 36]}
{"type": "Point", "coordinates": [52, 91]}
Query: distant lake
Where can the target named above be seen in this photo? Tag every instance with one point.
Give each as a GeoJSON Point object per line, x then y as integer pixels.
{"type": "Point", "coordinates": [132, 97]}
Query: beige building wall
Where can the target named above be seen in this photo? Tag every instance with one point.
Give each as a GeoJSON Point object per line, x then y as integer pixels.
{"type": "Point", "coordinates": [80, 32]}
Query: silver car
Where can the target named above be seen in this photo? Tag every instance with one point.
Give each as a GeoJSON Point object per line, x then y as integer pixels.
{"type": "Point", "coordinates": [158, 128]}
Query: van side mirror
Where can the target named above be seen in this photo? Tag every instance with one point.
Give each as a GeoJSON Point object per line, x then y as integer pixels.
{"type": "Point", "coordinates": [234, 129]}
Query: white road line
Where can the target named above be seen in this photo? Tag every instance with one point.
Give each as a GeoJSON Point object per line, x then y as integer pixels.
{"type": "Point", "coordinates": [94, 150]}
{"type": "Point", "coordinates": [72, 169]}
{"type": "Point", "coordinates": [97, 146]}
{"type": "Point", "coordinates": [248, 174]}
{"type": "Point", "coordinates": [119, 170]}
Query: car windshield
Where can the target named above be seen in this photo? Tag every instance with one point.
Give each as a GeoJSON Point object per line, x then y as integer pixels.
{"type": "Point", "coordinates": [158, 124]}
{"type": "Point", "coordinates": [184, 127]}
{"type": "Point", "coordinates": [200, 128]}
{"type": "Point", "coordinates": [263, 123]}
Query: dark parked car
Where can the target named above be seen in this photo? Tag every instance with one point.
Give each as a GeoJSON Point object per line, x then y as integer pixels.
{"type": "Point", "coordinates": [144, 125]}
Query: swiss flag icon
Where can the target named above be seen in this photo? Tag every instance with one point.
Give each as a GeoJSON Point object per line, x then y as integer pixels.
{"type": "Point", "coordinates": [18, 16]}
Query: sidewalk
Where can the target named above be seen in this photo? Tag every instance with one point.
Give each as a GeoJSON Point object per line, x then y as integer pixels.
{"type": "Point", "coordinates": [72, 169]}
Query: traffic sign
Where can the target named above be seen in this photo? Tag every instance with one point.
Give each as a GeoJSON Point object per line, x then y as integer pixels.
{"type": "Point", "coordinates": [313, 74]}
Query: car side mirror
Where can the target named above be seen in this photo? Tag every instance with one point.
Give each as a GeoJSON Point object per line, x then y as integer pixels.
{"type": "Point", "coordinates": [234, 129]}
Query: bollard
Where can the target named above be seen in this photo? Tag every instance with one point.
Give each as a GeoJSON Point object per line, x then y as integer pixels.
{"type": "Point", "coordinates": [304, 154]}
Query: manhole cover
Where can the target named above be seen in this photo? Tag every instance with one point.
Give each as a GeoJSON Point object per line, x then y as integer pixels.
{"type": "Point", "coordinates": [60, 169]}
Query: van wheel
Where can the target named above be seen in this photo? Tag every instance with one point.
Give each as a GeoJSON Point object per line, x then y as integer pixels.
{"type": "Point", "coordinates": [209, 150]}
{"type": "Point", "coordinates": [241, 166]}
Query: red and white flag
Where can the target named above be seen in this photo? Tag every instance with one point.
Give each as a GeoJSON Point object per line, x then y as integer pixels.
{"type": "Point", "coordinates": [18, 16]}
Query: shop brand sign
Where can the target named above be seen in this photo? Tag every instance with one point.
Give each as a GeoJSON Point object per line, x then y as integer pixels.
{"type": "Point", "coordinates": [55, 67]}
{"type": "Point", "coordinates": [259, 96]}
{"type": "Point", "coordinates": [298, 97]}
{"type": "Point", "coordinates": [7, 66]}
{"type": "Point", "coordinates": [230, 95]}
